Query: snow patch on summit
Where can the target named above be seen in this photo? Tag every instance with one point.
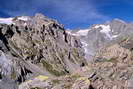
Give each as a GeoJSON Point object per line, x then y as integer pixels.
{"type": "Point", "coordinates": [82, 32]}
{"type": "Point", "coordinates": [79, 33]}
{"type": "Point", "coordinates": [24, 18]}
{"type": "Point", "coordinates": [106, 30]}
{"type": "Point", "coordinates": [10, 20]}
{"type": "Point", "coordinates": [6, 20]}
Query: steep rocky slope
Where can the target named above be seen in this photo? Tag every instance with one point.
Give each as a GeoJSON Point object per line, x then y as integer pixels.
{"type": "Point", "coordinates": [32, 46]}
{"type": "Point", "coordinates": [38, 53]}
{"type": "Point", "coordinates": [113, 66]}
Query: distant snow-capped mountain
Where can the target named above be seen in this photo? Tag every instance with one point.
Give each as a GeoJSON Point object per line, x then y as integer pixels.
{"type": "Point", "coordinates": [100, 35]}
{"type": "Point", "coordinates": [12, 20]}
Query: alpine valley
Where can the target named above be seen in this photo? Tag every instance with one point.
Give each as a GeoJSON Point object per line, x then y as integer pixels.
{"type": "Point", "coordinates": [37, 52]}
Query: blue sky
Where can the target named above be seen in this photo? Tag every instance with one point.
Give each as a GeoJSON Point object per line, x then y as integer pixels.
{"type": "Point", "coordinates": [72, 13]}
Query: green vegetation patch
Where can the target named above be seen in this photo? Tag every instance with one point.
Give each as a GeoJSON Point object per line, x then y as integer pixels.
{"type": "Point", "coordinates": [49, 68]}
{"type": "Point", "coordinates": [56, 81]}
{"type": "Point", "coordinates": [35, 88]}
{"type": "Point", "coordinates": [13, 75]}
{"type": "Point", "coordinates": [113, 60]}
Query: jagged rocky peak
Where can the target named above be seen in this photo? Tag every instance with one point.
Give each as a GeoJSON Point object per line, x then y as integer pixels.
{"type": "Point", "coordinates": [37, 45]}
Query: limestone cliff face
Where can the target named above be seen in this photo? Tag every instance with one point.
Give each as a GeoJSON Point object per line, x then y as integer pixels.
{"type": "Point", "coordinates": [37, 46]}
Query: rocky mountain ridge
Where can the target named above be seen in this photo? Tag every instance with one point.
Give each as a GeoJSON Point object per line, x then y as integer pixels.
{"type": "Point", "coordinates": [32, 46]}
{"type": "Point", "coordinates": [99, 35]}
{"type": "Point", "coordinates": [38, 53]}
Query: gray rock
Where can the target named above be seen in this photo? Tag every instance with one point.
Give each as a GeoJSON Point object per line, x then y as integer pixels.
{"type": "Point", "coordinates": [37, 46]}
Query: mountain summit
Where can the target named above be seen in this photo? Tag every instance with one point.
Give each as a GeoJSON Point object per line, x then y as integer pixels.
{"type": "Point", "coordinates": [33, 46]}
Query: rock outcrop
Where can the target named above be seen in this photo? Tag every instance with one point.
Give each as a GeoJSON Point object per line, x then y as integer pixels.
{"type": "Point", "coordinates": [111, 69]}
{"type": "Point", "coordinates": [38, 53]}
{"type": "Point", "coordinates": [113, 66]}
{"type": "Point", "coordinates": [109, 46]}
{"type": "Point", "coordinates": [31, 46]}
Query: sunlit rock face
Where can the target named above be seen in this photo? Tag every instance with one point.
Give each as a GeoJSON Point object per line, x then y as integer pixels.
{"type": "Point", "coordinates": [31, 46]}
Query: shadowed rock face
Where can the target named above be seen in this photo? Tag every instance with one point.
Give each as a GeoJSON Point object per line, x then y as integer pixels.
{"type": "Point", "coordinates": [37, 46]}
